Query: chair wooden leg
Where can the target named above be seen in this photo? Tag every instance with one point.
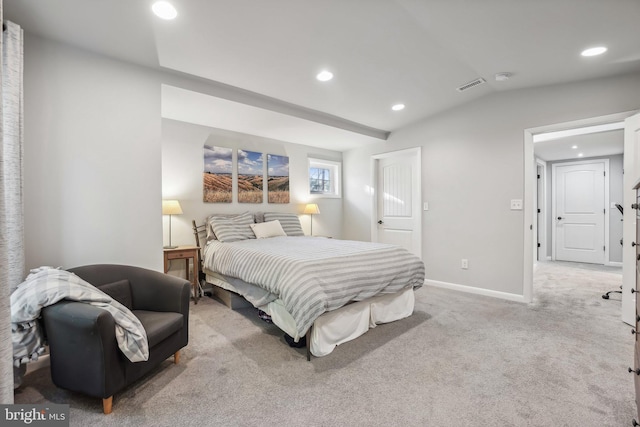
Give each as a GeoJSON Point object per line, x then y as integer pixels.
{"type": "Point", "coordinates": [176, 357]}
{"type": "Point", "coordinates": [107, 405]}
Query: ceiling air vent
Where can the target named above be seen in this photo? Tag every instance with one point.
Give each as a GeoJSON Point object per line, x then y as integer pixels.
{"type": "Point", "coordinates": [471, 84]}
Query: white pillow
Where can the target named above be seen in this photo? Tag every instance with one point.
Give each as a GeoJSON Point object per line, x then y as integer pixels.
{"type": "Point", "coordinates": [267, 229]}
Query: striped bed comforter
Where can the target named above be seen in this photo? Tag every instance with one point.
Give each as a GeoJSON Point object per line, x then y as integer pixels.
{"type": "Point", "coordinates": [313, 275]}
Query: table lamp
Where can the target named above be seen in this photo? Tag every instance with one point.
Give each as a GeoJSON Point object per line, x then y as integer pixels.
{"type": "Point", "coordinates": [311, 209]}
{"type": "Point", "coordinates": [171, 207]}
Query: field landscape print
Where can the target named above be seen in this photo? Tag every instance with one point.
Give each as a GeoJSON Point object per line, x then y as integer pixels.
{"type": "Point", "coordinates": [250, 176]}
{"type": "Point", "coordinates": [278, 183]}
{"type": "Point", "coordinates": [217, 178]}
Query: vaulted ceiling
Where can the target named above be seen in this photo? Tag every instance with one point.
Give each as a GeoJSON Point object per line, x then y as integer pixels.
{"type": "Point", "coordinates": [381, 52]}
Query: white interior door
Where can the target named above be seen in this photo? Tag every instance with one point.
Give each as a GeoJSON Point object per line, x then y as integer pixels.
{"type": "Point", "coordinates": [579, 212]}
{"type": "Point", "coordinates": [397, 204]}
{"type": "Point", "coordinates": [539, 214]}
{"type": "Point", "coordinates": [632, 174]}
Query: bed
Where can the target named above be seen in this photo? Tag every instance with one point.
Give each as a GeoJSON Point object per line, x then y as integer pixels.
{"type": "Point", "coordinates": [327, 290]}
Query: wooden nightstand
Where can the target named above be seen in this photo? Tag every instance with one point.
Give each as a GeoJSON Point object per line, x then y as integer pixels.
{"type": "Point", "coordinates": [186, 253]}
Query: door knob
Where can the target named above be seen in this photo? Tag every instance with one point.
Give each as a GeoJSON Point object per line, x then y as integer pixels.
{"type": "Point", "coordinates": [380, 222]}
{"type": "Point", "coordinates": [633, 243]}
{"type": "Point", "coordinates": [559, 218]}
{"type": "Point", "coordinates": [637, 371]}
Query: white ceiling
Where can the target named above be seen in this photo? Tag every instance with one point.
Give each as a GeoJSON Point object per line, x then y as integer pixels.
{"type": "Point", "coordinates": [195, 107]}
{"type": "Point", "coordinates": [589, 145]}
{"type": "Point", "coordinates": [381, 51]}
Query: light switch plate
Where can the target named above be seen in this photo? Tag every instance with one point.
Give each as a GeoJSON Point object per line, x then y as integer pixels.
{"type": "Point", "coordinates": [516, 204]}
{"type": "Point", "coordinates": [425, 206]}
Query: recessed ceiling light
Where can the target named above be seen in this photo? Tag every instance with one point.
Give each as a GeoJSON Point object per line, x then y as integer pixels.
{"type": "Point", "coordinates": [164, 10]}
{"type": "Point", "coordinates": [574, 147]}
{"type": "Point", "coordinates": [594, 51]}
{"type": "Point", "coordinates": [324, 76]}
{"type": "Point", "coordinates": [580, 154]}
{"type": "Point", "coordinates": [398, 107]}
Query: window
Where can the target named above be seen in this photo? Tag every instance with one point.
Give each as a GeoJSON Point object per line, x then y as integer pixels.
{"type": "Point", "coordinates": [320, 180]}
{"type": "Point", "coordinates": [324, 178]}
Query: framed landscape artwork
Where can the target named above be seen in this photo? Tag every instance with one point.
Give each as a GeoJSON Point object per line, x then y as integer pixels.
{"type": "Point", "coordinates": [250, 176]}
{"type": "Point", "coordinates": [217, 177]}
{"type": "Point", "coordinates": [278, 178]}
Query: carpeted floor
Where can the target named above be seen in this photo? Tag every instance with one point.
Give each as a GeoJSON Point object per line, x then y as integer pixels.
{"type": "Point", "coordinates": [460, 360]}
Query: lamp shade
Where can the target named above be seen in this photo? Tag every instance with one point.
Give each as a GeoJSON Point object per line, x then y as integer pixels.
{"type": "Point", "coordinates": [171, 207]}
{"type": "Point", "coordinates": [311, 209]}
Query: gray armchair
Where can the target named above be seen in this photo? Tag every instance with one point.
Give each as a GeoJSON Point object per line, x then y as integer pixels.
{"type": "Point", "coordinates": [84, 354]}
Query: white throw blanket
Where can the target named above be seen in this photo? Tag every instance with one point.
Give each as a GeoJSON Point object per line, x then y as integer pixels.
{"type": "Point", "coordinates": [46, 286]}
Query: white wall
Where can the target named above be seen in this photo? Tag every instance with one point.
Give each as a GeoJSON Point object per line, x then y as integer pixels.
{"type": "Point", "coordinates": [472, 163]}
{"type": "Point", "coordinates": [92, 159]}
{"type": "Point", "coordinates": [182, 168]}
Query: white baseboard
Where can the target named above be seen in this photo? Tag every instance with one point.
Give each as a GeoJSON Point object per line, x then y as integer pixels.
{"type": "Point", "coordinates": [473, 290]}
{"type": "Point", "coordinates": [614, 264]}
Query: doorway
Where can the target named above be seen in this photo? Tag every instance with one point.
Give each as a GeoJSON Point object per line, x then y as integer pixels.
{"type": "Point", "coordinates": [530, 185]}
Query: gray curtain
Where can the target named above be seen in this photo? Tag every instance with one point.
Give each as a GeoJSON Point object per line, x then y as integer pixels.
{"type": "Point", "coordinates": [12, 264]}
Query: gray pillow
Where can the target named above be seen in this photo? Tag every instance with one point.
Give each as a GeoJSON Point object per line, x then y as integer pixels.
{"type": "Point", "coordinates": [289, 221]}
{"type": "Point", "coordinates": [233, 229]}
{"type": "Point", "coordinates": [211, 235]}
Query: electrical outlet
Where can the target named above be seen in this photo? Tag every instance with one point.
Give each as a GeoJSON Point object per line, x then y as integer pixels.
{"type": "Point", "coordinates": [516, 204]}
{"type": "Point", "coordinates": [465, 263]}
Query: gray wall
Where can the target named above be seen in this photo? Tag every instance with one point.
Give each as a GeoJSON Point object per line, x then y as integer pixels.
{"type": "Point", "coordinates": [182, 166]}
{"type": "Point", "coordinates": [472, 163]}
{"type": "Point", "coordinates": [615, 196]}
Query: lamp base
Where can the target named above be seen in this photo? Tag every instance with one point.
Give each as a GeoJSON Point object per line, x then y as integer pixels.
{"type": "Point", "coordinates": [169, 247]}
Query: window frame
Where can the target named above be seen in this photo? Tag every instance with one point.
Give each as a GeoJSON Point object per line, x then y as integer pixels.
{"type": "Point", "coordinates": [335, 171]}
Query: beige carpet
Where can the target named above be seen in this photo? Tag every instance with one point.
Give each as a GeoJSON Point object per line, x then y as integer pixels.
{"type": "Point", "coordinates": [460, 360]}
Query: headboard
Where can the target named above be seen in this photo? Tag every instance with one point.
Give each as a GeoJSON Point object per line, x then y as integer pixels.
{"type": "Point", "coordinates": [200, 234]}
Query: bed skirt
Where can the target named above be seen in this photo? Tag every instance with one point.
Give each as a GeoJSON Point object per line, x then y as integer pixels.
{"type": "Point", "coordinates": [338, 326]}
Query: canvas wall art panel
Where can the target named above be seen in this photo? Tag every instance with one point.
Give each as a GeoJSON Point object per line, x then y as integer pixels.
{"type": "Point", "coordinates": [218, 175]}
{"type": "Point", "coordinates": [250, 176]}
{"type": "Point", "coordinates": [278, 178]}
